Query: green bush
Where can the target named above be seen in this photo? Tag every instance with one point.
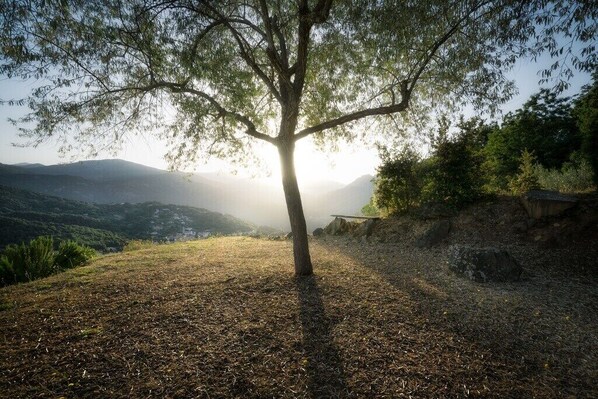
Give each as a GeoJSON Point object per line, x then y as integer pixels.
{"type": "Point", "coordinates": [526, 179]}
{"type": "Point", "coordinates": [545, 124]}
{"type": "Point", "coordinates": [574, 177]}
{"type": "Point", "coordinates": [70, 254]}
{"type": "Point", "coordinates": [27, 262]}
{"type": "Point", "coordinates": [586, 113]}
{"type": "Point", "coordinates": [452, 175]}
{"type": "Point", "coordinates": [370, 209]}
{"type": "Point", "coordinates": [398, 182]}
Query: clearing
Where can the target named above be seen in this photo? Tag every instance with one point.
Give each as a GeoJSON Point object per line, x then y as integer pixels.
{"type": "Point", "coordinates": [225, 317]}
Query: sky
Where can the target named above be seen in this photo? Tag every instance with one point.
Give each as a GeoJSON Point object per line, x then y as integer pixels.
{"type": "Point", "coordinates": [349, 163]}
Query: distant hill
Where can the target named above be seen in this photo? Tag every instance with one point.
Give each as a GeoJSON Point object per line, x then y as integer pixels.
{"type": "Point", "coordinates": [29, 165]}
{"type": "Point", "coordinates": [116, 181]}
{"type": "Point", "coordinates": [347, 200]}
{"type": "Point", "coordinates": [102, 170]}
{"type": "Point", "coordinates": [25, 215]}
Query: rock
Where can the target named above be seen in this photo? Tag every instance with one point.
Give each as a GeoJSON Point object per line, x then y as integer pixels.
{"type": "Point", "coordinates": [483, 264]}
{"type": "Point", "coordinates": [436, 233]}
{"type": "Point", "coordinates": [337, 227]}
{"type": "Point", "coordinates": [365, 229]}
{"type": "Point", "coordinates": [318, 232]}
{"type": "Point", "coordinates": [542, 203]}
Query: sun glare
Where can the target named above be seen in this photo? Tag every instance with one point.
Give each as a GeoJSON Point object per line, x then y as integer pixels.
{"type": "Point", "coordinates": [313, 166]}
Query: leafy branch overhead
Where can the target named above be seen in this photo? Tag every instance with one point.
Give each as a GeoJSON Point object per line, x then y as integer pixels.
{"type": "Point", "coordinates": [218, 73]}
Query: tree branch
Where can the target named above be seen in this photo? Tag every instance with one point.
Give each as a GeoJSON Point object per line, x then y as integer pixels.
{"type": "Point", "coordinates": [182, 88]}
{"type": "Point", "coordinates": [384, 110]}
{"type": "Point", "coordinates": [439, 42]}
{"type": "Point", "coordinates": [247, 57]}
{"type": "Point", "coordinates": [251, 129]}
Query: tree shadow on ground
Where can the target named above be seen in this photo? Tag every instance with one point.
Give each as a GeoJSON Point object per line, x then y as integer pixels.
{"type": "Point", "coordinates": [323, 363]}
{"type": "Point", "coordinates": [498, 323]}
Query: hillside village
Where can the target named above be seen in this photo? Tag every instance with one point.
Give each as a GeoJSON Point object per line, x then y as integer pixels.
{"type": "Point", "coordinates": [165, 221]}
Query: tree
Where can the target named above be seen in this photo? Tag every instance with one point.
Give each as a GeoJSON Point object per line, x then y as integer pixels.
{"type": "Point", "coordinates": [453, 173]}
{"type": "Point", "coordinates": [544, 124]}
{"type": "Point", "coordinates": [526, 179]}
{"type": "Point", "coordinates": [586, 114]}
{"type": "Point", "coordinates": [234, 72]}
{"type": "Point", "coordinates": [399, 181]}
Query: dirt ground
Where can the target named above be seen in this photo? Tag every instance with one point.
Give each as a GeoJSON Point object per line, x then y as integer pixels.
{"type": "Point", "coordinates": [225, 317]}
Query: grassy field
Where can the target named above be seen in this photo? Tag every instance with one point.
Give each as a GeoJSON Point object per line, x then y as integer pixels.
{"type": "Point", "coordinates": [226, 318]}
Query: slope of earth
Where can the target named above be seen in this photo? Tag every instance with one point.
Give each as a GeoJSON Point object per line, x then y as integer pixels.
{"type": "Point", "coordinates": [563, 245]}
{"type": "Point", "coordinates": [225, 317]}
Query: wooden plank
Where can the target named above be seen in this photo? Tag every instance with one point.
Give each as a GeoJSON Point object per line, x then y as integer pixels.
{"type": "Point", "coordinates": [356, 217]}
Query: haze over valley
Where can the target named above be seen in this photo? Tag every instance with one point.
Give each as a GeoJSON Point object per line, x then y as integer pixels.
{"type": "Point", "coordinates": [116, 181]}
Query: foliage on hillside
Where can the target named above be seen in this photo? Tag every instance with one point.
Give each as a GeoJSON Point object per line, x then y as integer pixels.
{"type": "Point", "coordinates": [549, 143]}
{"type": "Point", "coordinates": [25, 215]}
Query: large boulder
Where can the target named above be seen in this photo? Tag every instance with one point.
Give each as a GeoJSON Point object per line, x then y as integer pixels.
{"type": "Point", "coordinates": [542, 203]}
{"type": "Point", "coordinates": [337, 227]}
{"type": "Point", "coordinates": [435, 234]}
{"type": "Point", "coordinates": [365, 229]}
{"type": "Point", "coordinates": [483, 264]}
{"type": "Point", "coordinates": [318, 232]}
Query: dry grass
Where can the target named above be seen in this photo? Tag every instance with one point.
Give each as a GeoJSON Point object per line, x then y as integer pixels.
{"type": "Point", "coordinates": [226, 318]}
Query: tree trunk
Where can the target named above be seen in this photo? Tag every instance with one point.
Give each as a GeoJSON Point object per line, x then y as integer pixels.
{"type": "Point", "coordinates": [292, 196]}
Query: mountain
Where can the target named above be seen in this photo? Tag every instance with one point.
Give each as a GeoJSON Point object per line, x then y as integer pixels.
{"type": "Point", "coordinates": [117, 181]}
{"type": "Point", "coordinates": [29, 165]}
{"type": "Point", "coordinates": [100, 170]}
{"type": "Point", "coordinates": [347, 200]}
{"type": "Point", "coordinates": [25, 215]}
{"type": "Point", "coordinates": [11, 169]}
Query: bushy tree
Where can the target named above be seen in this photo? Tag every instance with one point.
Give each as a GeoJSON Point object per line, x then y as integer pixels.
{"type": "Point", "coordinates": [398, 181]}
{"type": "Point", "coordinates": [545, 124]}
{"type": "Point", "coordinates": [586, 114]}
{"type": "Point", "coordinates": [526, 179]}
{"type": "Point", "coordinates": [370, 209]}
{"type": "Point", "coordinates": [453, 172]}
{"type": "Point", "coordinates": [235, 72]}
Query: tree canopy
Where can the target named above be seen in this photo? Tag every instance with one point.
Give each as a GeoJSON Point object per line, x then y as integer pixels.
{"type": "Point", "coordinates": [214, 76]}
{"type": "Point", "coordinates": [545, 125]}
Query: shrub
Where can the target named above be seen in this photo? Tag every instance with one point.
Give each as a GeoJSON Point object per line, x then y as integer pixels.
{"type": "Point", "coordinates": [586, 113]}
{"type": "Point", "coordinates": [574, 177]}
{"type": "Point", "coordinates": [70, 254]}
{"type": "Point", "coordinates": [544, 124]}
{"type": "Point", "coordinates": [370, 209]}
{"type": "Point", "coordinates": [398, 182]}
{"type": "Point", "coordinates": [453, 173]}
{"type": "Point", "coordinates": [526, 179]}
{"type": "Point", "coordinates": [27, 262]}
